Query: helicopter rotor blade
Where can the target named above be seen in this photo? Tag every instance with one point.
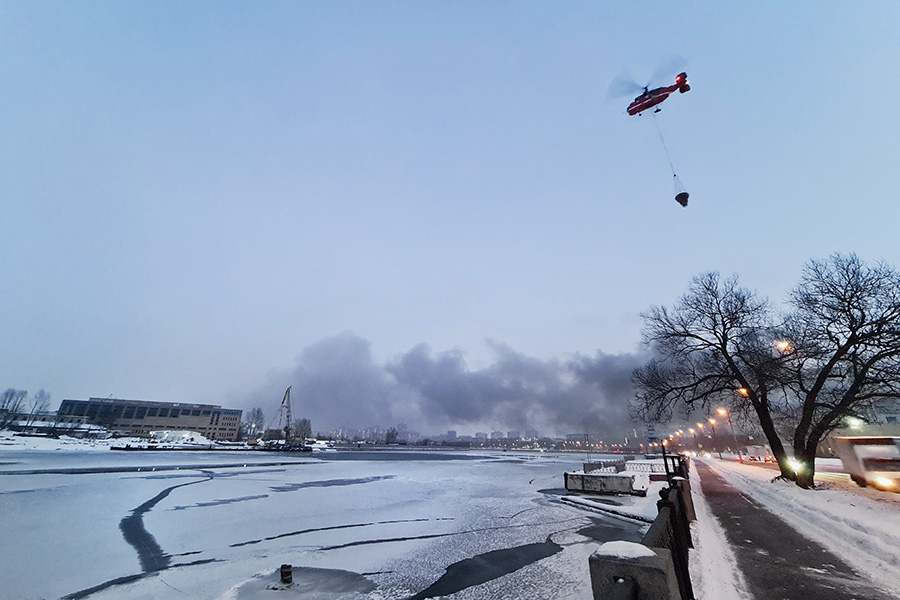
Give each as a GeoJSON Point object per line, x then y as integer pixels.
{"type": "Point", "coordinates": [623, 85]}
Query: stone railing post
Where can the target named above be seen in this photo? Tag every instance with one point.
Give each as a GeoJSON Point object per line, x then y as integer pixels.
{"type": "Point", "coordinates": [651, 572]}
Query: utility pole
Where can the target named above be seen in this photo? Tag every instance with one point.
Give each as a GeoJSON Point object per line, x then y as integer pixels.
{"type": "Point", "coordinates": [712, 424]}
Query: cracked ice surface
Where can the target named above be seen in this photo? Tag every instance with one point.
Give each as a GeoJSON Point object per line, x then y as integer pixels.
{"type": "Point", "coordinates": [379, 526]}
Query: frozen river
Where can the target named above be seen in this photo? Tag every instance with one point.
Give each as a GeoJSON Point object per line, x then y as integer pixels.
{"type": "Point", "coordinates": [217, 525]}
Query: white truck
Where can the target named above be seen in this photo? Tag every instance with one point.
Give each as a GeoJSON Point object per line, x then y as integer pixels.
{"type": "Point", "coordinates": [871, 460]}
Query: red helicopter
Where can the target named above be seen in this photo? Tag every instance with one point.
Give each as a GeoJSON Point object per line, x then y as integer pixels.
{"type": "Point", "coordinates": [651, 98]}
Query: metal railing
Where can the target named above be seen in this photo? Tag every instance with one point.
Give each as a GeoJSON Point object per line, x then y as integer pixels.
{"type": "Point", "coordinates": [675, 465]}
{"type": "Point", "coordinates": [671, 530]}
{"type": "Point", "coordinates": [604, 466]}
{"type": "Point", "coordinates": [645, 466]}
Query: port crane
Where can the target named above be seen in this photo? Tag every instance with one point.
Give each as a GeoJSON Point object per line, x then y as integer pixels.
{"type": "Point", "coordinates": [289, 420]}
{"type": "Point", "coordinates": [291, 443]}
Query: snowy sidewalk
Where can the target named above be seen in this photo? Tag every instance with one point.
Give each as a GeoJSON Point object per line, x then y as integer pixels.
{"type": "Point", "coordinates": [778, 562]}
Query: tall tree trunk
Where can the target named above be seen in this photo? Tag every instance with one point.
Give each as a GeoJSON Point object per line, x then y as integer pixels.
{"type": "Point", "coordinates": [805, 453]}
{"type": "Point", "coordinates": [768, 427]}
{"type": "Point", "coordinates": [805, 463]}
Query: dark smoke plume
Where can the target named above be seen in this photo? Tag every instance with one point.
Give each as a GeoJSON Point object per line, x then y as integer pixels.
{"type": "Point", "coordinates": [337, 383]}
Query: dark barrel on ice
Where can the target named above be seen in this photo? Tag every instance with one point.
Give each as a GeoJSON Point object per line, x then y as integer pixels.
{"type": "Point", "coordinates": [682, 198]}
{"type": "Point", "coordinates": [287, 574]}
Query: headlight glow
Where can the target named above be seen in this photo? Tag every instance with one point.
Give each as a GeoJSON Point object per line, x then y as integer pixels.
{"type": "Point", "coordinates": [795, 465]}
{"type": "Point", "coordinates": [884, 483]}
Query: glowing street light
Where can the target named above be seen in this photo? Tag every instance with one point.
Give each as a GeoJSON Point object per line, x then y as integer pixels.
{"type": "Point", "coordinates": [724, 412]}
{"type": "Point", "coordinates": [693, 432]}
{"type": "Point", "coordinates": [712, 425]}
{"type": "Point", "coordinates": [744, 392]}
{"type": "Point", "coordinates": [783, 346]}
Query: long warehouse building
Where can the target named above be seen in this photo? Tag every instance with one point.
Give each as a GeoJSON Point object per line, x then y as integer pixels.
{"type": "Point", "coordinates": [140, 417]}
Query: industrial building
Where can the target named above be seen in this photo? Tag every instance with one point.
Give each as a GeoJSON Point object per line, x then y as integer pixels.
{"type": "Point", "coordinates": [140, 417]}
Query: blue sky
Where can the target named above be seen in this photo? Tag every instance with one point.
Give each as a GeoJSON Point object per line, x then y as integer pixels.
{"type": "Point", "coordinates": [194, 194]}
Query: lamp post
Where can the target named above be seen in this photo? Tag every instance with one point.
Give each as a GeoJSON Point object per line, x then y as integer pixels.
{"type": "Point", "coordinates": [712, 425]}
{"type": "Point", "coordinates": [724, 412]}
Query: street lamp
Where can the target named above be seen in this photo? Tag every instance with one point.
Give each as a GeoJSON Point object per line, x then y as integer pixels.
{"type": "Point", "coordinates": [700, 431]}
{"type": "Point", "coordinates": [724, 412]}
{"type": "Point", "coordinates": [700, 426]}
{"type": "Point", "coordinates": [712, 425]}
{"type": "Point", "coordinates": [672, 442]}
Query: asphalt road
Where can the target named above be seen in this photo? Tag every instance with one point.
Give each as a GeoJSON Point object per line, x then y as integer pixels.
{"type": "Point", "coordinates": [779, 562]}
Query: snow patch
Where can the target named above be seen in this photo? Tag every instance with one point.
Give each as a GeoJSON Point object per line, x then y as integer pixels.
{"type": "Point", "coordinates": [622, 549]}
{"type": "Point", "coordinates": [715, 574]}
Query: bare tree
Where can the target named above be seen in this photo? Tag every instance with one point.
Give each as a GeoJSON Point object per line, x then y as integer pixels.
{"type": "Point", "coordinates": [12, 399]}
{"type": "Point", "coordinates": [302, 428]}
{"type": "Point", "coordinates": [832, 356]}
{"type": "Point", "coordinates": [715, 341]}
{"type": "Point", "coordinates": [391, 436]}
{"type": "Point", "coordinates": [254, 424]}
{"type": "Point", "coordinates": [12, 402]}
{"type": "Point", "coordinates": [845, 331]}
{"type": "Point", "coordinates": [40, 401]}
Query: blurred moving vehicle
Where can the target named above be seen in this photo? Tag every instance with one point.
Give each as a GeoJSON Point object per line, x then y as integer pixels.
{"type": "Point", "coordinates": [756, 454]}
{"type": "Point", "coordinates": [871, 460]}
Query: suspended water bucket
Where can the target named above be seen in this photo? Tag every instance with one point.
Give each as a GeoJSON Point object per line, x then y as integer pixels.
{"type": "Point", "coordinates": [681, 194]}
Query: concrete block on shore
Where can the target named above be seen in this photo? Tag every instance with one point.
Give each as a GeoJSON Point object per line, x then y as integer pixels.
{"type": "Point", "coordinates": [601, 483]}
